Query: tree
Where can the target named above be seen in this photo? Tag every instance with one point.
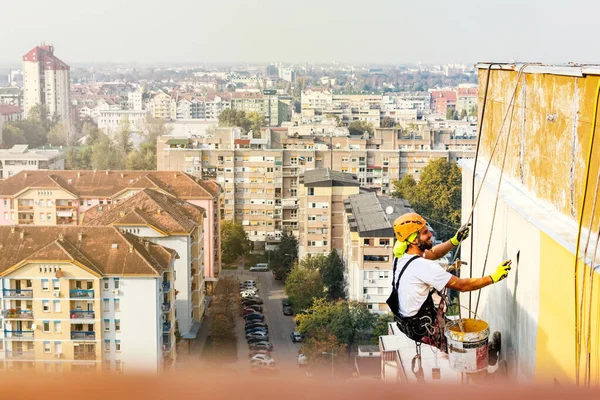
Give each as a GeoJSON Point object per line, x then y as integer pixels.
{"type": "Point", "coordinates": [234, 241]}
{"type": "Point", "coordinates": [12, 135]}
{"type": "Point", "coordinates": [473, 111]}
{"type": "Point", "coordinates": [360, 127]}
{"type": "Point", "coordinates": [143, 158]}
{"type": "Point", "coordinates": [33, 131]}
{"type": "Point", "coordinates": [381, 326]}
{"type": "Point", "coordinates": [451, 113]}
{"type": "Point", "coordinates": [333, 276]}
{"type": "Point", "coordinates": [321, 342]}
{"type": "Point", "coordinates": [255, 122]}
{"type": "Point", "coordinates": [106, 155]}
{"type": "Point", "coordinates": [58, 136]}
{"type": "Point", "coordinates": [463, 114]}
{"type": "Point", "coordinates": [348, 321]}
{"type": "Point", "coordinates": [387, 122]}
{"type": "Point", "coordinates": [41, 114]}
{"type": "Point", "coordinates": [303, 286]}
{"type": "Point", "coordinates": [283, 257]}
{"type": "Point", "coordinates": [124, 137]}
{"type": "Point", "coordinates": [222, 333]}
{"type": "Point", "coordinates": [317, 262]}
{"type": "Point", "coordinates": [437, 196]}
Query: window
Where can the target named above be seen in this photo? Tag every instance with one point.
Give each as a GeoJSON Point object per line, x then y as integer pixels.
{"type": "Point", "coordinates": [117, 325]}
{"type": "Point", "coordinates": [105, 283]}
{"type": "Point", "coordinates": [45, 286]}
{"type": "Point", "coordinates": [81, 202]}
{"type": "Point", "coordinates": [57, 327]}
{"type": "Point", "coordinates": [311, 191]}
{"type": "Point", "coordinates": [105, 304]}
{"type": "Point", "coordinates": [49, 217]}
{"type": "Point", "coordinates": [117, 345]}
{"type": "Point", "coordinates": [47, 349]}
{"type": "Point", "coordinates": [55, 284]}
{"type": "Point", "coordinates": [90, 285]}
{"type": "Point", "coordinates": [46, 326]}
{"type": "Point", "coordinates": [45, 305]}
{"type": "Point", "coordinates": [365, 290]}
{"type": "Point", "coordinates": [56, 306]}
{"type": "Point", "coordinates": [57, 347]}
{"type": "Point", "coordinates": [117, 305]}
{"type": "Point", "coordinates": [106, 325]}
{"type": "Point", "coordinates": [117, 283]}
{"type": "Point", "coordinates": [107, 345]}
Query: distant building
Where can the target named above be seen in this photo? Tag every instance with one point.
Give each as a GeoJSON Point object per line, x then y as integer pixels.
{"type": "Point", "coordinates": [288, 74]}
{"type": "Point", "coordinates": [466, 99]}
{"type": "Point", "coordinates": [46, 81]}
{"type": "Point", "coordinates": [11, 96]}
{"type": "Point", "coordinates": [21, 158]}
{"type": "Point", "coordinates": [368, 242]}
{"type": "Point", "coordinates": [441, 101]}
{"type": "Point", "coordinates": [160, 106]}
{"type": "Point", "coordinates": [134, 101]}
{"type": "Point", "coordinates": [321, 195]}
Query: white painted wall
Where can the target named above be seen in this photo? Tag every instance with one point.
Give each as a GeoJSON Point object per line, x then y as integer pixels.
{"type": "Point", "coordinates": [141, 325]}
{"type": "Point", "coordinates": [512, 305]}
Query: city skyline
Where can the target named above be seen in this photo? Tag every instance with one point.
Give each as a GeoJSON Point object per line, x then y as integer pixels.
{"type": "Point", "coordinates": [254, 32]}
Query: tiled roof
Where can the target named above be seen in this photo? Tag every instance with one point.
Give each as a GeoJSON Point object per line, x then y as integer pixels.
{"type": "Point", "coordinates": [103, 250]}
{"type": "Point", "coordinates": [108, 184]}
{"type": "Point", "coordinates": [148, 207]}
{"type": "Point", "coordinates": [7, 109]}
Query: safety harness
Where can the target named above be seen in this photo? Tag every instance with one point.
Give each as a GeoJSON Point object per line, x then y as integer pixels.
{"type": "Point", "coordinates": [422, 326]}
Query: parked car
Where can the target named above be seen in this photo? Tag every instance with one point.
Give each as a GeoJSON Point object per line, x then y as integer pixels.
{"type": "Point", "coordinates": [257, 335]}
{"type": "Point", "coordinates": [260, 268]}
{"type": "Point", "coordinates": [286, 302]}
{"type": "Point", "coordinates": [265, 363]}
{"type": "Point", "coordinates": [255, 352]}
{"type": "Point", "coordinates": [249, 311]}
{"type": "Point", "coordinates": [302, 359]}
{"type": "Point", "coordinates": [255, 307]}
{"type": "Point", "coordinates": [287, 310]}
{"type": "Point", "coordinates": [248, 293]}
{"type": "Point", "coordinates": [253, 313]}
{"type": "Point", "coordinates": [254, 317]}
{"type": "Point", "coordinates": [296, 337]}
{"type": "Point", "coordinates": [256, 339]}
{"type": "Point", "coordinates": [261, 357]}
{"type": "Point", "coordinates": [253, 331]}
{"type": "Point", "coordinates": [256, 324]}
{"type": "Point", "coordinates": [248, 289]}
{"type": "Point", "coordinates": [250, 296]}
{"type": "Point", "coordinates": [251, 301]}
{"type": "Point", "coordinates": [250, 282]}
{"type": "Point", "coordinates": [264, 345]}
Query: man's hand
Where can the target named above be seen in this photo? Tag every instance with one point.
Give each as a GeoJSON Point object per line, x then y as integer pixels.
{"type": "Point", "coordinates": [461, 234]}
{"type": "Point", "coordinates": [501, 271]}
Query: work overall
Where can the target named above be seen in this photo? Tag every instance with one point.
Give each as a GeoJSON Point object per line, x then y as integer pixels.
{"type": "Point", "coordinates": [421, 326]}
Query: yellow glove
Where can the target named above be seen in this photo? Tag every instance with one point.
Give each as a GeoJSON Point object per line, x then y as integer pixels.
{"type": "Point", "coordinates": [461, 234]}
{"type": "Point", "coordinates": [501, 271]}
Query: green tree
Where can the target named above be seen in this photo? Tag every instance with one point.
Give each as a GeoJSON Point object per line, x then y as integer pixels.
{"type": "Point", "coordinates": [33, 131]}
{"type": "Point", "coordinates": [303, 286]}
{"type": "Point", "coordinates": [381, 326]}
{"type": "Point", "coordinates": [463, 114]}
{"type": "Point", "coordinates": [321, 342]}
{"type": "Point", "coordinates": [41, 114]}
{"type": "Point", "coordinates": [333, 276]}
{"type": "Point", "coordinates": [283, 257]}
{"type": "Point", "coordinates": [349, 321]}
{"type": "Point", "coordinates": [106, 155]}
{"type": "Point", "coordinates": [387, 122]}
{"type": "Point", "coordinates": [124, 137]}
{"type": "Point", "coordinates": [255, 122]}
{"type": "Point", "coordinates": [317, 262]}
{"type": "Point", "coordinates": [451, 113]}
{"type": "Point", "coordinates": [437, 196]}
{"type": "Point", "coordinates": [473, 111]}
{"type": "Point", "coordinates": [360, 127]}
{"type": "Point", "coordinates": [12, 135]}
{"type": "Point", "coordinates": [58, 136]}
{"type": "Point", "coordinates": [222, 333]}
{"type": "Point", "coordinates": [234, 241]}
{"type": "Point", "coordinates": [143, 158]}
{"type": "Point", "coordinates": [404, 188]}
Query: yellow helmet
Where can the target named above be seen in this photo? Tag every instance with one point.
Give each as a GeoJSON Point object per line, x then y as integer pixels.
{"type": "Point", "coordinates": [407, 224]}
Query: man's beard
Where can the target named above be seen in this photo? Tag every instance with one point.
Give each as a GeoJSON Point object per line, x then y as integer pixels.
{"type": "Point", "coordinates": [424, 245]}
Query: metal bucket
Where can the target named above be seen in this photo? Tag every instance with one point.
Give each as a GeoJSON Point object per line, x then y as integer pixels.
{"type": "Point", "coordinates": [467, 348]}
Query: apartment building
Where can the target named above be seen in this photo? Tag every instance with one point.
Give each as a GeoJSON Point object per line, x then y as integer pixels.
{"type": "Point", "coordinates": [46, 80]}
{"type": "Point", "coordinates": [466, 99]}
{"type": "Point", "coordinates": [368, 242]}
{"type": "Point", "coordinates": [270, 106]}
{"type": "Point", "coordinates": [112, 121]}
{"type": "Point", "coordinates": [85, 299]}
{"type": "Point", "coordinates": [321, 197]}
{"type": "Point", "coordinates": [346, 107]}
{"type": "Point", "coordinates": [10, 96]}
{"type": "Point", "coordinates": [161, 107]}
{"type": "Point", "coordinates": [442, 100]}
{"type": "Point", "coordinates": [61, 197]}
{"type": "Point", "coordinates": [172, 223]}
{"type": "Point", "coordinates": [20, 158]}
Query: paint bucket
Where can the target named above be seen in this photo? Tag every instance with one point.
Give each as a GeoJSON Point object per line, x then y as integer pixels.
{"type": "Point", "coordinates": [467, 348]}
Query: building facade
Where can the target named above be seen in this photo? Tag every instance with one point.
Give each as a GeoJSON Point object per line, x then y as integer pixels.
{"type": "Point", "coordinates": [85, 299]}
{"type": "Point", "coordinates": [61, 197]}
{"type": "Point", "coordinates": [321, 194]}
{"type": "Point", "coordinates": [20, 158]}
{"type": "Point", "coordinates": [46, 81]}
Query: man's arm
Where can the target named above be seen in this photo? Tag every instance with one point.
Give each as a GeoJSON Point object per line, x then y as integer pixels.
{"type": "Point", "coordinates": [438, 251]}
{"type": "Point", "coordinates": [468, 285]}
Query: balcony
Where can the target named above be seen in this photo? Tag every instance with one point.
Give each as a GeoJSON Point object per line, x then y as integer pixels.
{"type": "Point", "coordinates": [82, 293]}
{"type": "Point", "coordinates": [20, 355]}
{"type": "Point", "coordinates": [18, 314]}
{"type": "Point", "coordinates": [83, 335]}
{"type": "Point", "coordinates": [166, 328]}
{"type": "Point", "coordinates": [82, 314]}
{"type": "Point", "coordinates": [166, 286]}
{"type": "Point", "coordinates": [18, 293]}
{"type": "Point", "coordinates": [83, 356]}
{"type": "Point", "coordinates": [166, 306]}
{"type": "Point", "coordinates": [23, 335]}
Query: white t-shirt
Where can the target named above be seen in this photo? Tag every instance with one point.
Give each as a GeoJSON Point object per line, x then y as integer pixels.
{"type": "Point", "coordinates": [419, 277]}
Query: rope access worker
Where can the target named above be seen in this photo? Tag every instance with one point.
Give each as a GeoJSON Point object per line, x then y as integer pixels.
{"type": "Point", "coordinates": [415, 274]}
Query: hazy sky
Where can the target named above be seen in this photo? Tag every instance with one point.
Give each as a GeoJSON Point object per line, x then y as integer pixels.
{"type": "Point", "coordinates": [358, 31]}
